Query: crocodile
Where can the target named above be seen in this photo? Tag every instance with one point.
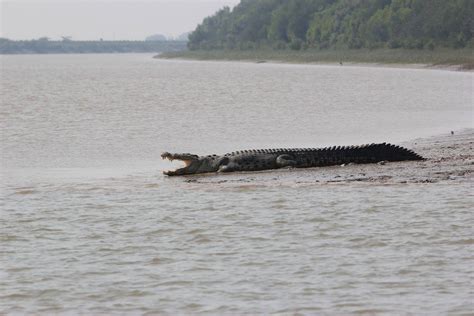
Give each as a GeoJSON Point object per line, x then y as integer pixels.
{"type": "Point", "coordinates": [266, 159]}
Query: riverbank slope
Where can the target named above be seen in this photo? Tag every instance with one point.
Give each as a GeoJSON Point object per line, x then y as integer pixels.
{"type": "Point", "coordinates": [455, 59]}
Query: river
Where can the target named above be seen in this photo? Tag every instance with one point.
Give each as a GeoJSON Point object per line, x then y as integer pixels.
{"type": "Point", "coordinates": [89, 224]}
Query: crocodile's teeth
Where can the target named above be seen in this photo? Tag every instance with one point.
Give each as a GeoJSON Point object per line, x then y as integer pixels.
{"type": "Point", "coordinates": [173, 172]}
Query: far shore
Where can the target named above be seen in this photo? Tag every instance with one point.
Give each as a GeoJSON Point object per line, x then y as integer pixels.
{"type": "Point", "coordinates": [446, 59]}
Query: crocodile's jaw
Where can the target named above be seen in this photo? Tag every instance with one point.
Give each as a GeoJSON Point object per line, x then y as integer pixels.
{"type": "Point", "coordinates": [192, 163]}
{"type": "Point", "coordinates": [179, 171]}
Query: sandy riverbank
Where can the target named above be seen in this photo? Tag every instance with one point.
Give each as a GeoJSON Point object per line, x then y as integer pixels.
{"type": "Point", "coordinates": [446, 67]}
{"type": "Point", "coordinates": [462, 68]}
{"type": "Point", "coordinates": [447, 59]}
{"type": "Point", "coordinates": [449, 159]}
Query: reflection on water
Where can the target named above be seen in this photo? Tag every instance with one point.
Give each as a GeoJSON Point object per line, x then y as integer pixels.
{"type": "Point", "coordinates": [89, 223]}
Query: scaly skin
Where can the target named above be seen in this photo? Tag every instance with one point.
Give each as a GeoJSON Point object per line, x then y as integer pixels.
{"type": "Point", "coordinates": [265, 159]}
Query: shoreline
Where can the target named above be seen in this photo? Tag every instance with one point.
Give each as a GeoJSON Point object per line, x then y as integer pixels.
{"type": "Point", "coordinates": [451, 60]}
{"type": "Point", "coordinates": [449, 159]}
{"type": "Point", "coordinates": [455, 68]}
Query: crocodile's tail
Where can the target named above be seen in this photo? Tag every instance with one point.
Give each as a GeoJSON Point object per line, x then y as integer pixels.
{"type": "Point", "coordinates": [389, 152]}
{"type": "Point", "coordinates": [369, 153]}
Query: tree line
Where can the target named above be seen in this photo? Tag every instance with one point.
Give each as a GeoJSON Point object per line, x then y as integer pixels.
{"type": "Point", "coordinates": [352, 24]}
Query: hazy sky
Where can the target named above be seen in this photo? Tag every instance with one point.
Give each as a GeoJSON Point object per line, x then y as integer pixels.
{"type": "Point", "coordinates": [107, 19]}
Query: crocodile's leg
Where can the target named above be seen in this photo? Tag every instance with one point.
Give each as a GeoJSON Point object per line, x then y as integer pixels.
{"type": "Point", "coordinates": [225, 165]}
{"type": "Point", "coordinates": [285, 161]}
{"type": "Point", "coordinates": [225, 168]}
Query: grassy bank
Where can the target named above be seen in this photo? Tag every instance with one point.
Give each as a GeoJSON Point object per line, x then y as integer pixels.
{"type": "Point", "coordinates": [460, 58]}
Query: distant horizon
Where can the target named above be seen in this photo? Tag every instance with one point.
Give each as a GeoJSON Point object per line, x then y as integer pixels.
{"type": "Point", "coordinates": [92, 40]}
{"type": "Point", "coordinates": [109, 20]}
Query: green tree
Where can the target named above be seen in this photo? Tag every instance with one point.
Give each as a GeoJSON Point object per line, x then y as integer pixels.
{"type": "Point", "coordinates": [337, 23]}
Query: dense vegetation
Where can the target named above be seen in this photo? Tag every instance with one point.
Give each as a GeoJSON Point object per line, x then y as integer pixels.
{"type": "Point", "coordinates": [45, 46]}
{"type": "Point", "coordinates": [348, 24]}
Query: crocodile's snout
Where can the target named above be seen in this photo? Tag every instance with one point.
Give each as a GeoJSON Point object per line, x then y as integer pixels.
{"type": "Point", "coordinates": [188, 160]}
{"type": "Point", "coordinates": [165, 155]}
{"type": "Point", "coordinates": [186, 156]}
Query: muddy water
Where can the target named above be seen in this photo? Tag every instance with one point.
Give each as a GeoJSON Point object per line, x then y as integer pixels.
{"type": "Point", "coordinates": [89, 224]}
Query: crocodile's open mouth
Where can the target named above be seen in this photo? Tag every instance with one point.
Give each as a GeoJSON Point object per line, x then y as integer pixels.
{"type": "Point", "coordinates": [188, 159]}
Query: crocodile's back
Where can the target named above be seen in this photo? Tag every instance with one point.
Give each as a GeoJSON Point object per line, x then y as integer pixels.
{"type": "Point", "coordinates": [260, 159]}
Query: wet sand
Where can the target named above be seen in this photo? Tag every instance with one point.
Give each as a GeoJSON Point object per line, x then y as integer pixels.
{"type": "Point", "coordinates": [449, 159]}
